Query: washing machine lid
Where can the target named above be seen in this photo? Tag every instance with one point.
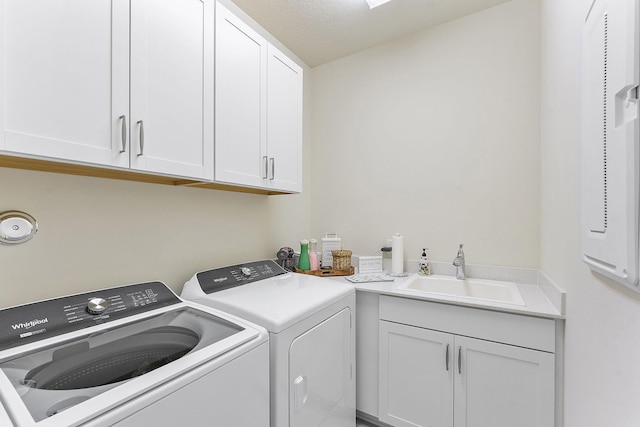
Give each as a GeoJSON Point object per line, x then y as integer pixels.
{"type": "Point", "coordinates": [275, 302]}
{"type": "Point", "coordinates": [81, 371]}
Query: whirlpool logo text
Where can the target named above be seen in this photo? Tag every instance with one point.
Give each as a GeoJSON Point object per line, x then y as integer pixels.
{"type": "Point", "coordinates": [30, 324]}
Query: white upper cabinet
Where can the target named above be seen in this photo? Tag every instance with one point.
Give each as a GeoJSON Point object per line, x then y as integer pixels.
{"type": "Point", "coordinates": [172, 87]}
{"type": "Point", "coordinates": [66, 68]}
{"type": "Point", "coordinates": [284, 121]}
{"type": "Point", "coordinates": [129, 85]}
{"type": "Point", "coordinates": [240, 117]}
{"type": "Point", "coordinates": [64, 79]}
{"type": "Point", "coordinates": [258, 109]}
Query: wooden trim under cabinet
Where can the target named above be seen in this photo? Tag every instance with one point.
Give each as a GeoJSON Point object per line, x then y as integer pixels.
{"type": "Point", "coordinates": [25, 163]}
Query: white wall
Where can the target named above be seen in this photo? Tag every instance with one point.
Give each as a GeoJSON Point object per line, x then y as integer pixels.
{"type": "Point", "coordinates": [435, 136]}
{"type": "Point", "coordinates": [602, 373]}
{"type": "Point", "coordinates": [95, 233]}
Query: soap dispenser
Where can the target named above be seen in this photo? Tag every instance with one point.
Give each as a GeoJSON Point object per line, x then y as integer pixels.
{"type": "Point", "coordinates": [425, 264]}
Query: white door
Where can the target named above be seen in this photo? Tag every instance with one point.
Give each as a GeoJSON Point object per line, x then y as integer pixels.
{"type": "Point", "coordinates": [64, 75]}
{"type": "Point", "coordinates": [499, 385]}
{"type": "Point", "coordinates": [284, 122]}
{"type": "Point", "coordinates": [171, 87]}
{"type": "Point", "coordinates": [320, 371]}
{"type": "Point", "coordinates": [416, 376]}
{"type": "Point", "coordinates": [240, 116]}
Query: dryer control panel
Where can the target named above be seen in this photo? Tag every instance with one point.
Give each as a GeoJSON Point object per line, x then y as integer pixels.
{"type": "Point", "coordinates": [45, 319]}
{"type": "Point", "coordinates": [222, 278]}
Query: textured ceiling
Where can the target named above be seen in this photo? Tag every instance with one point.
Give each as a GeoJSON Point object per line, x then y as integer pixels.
{"type": "Point", "coordinates": [320, 31]}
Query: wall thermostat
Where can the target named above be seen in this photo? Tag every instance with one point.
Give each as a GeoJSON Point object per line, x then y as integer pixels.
{"type": "Point", "coordinates": [16, 227]}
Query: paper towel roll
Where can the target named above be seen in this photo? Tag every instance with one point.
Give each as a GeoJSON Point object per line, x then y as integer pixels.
{"type": "Point", "coordinates": [397, 254]}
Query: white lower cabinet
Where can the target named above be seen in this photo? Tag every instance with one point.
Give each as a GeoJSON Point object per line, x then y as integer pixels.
{"type": "Point", "coordinates": [502, 385]}
{"type": "Point", "coordinates": [416, 376]}
{"type": "Point", "coordinates": [435, 378]}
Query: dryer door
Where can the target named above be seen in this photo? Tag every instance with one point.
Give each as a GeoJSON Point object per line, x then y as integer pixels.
{"type": "Point", "coordinates": [320, 371]}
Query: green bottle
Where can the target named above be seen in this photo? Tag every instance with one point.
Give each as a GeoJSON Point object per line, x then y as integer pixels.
{"type": "Point", "coordinates": [303, 263]}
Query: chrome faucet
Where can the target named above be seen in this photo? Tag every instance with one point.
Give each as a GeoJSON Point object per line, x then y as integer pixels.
{"type": "Point", "coordinates": [458, 262]}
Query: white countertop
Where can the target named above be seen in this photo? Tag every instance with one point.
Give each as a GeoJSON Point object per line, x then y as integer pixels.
{"type": "Point", "coordinates": [541, 297]}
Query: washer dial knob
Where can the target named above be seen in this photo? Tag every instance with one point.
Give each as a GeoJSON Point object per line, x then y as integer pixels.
{"type": "Point", "coordinates": [246, 271]}
{"type": "Point", "coordinates": [97, 305]}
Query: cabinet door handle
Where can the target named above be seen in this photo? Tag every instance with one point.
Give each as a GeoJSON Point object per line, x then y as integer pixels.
{"type": "Point", "coordinates": [273, 168]}
{"type": "Point", "coordinates": [123, 138]}
{"type": "Point", "coordinates": [460, 359]}
{"type": "Point", "coordinates": [141, 124]}
{"type": "Point", "coordinates": [446, 358]}
{"type": "Point", "coordinates": [266, 167]}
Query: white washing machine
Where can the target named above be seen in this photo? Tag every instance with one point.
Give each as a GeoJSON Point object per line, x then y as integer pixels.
{"type": "Point", "coordinates": [134, 355]}
{"type": "Point", "coordinates": [4, 417]}
{"type": "Point", "coordinates": [311, 324]}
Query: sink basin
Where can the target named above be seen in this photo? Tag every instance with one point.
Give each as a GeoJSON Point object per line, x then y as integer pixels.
{"type": "Point", "coordinates": [471, 289]}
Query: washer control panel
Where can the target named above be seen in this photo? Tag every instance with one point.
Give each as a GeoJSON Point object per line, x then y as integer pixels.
{"type": "Point", "coordinates": [45, 319]}
{"type": "Point", "coordinates": [222, 278]}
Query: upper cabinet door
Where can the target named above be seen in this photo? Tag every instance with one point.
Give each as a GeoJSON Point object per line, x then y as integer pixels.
{"type": "Point", "coordinates": [172, 87]}
{"type": "Point", "coordinates": [284, 122]}
{"type": "Point", "coordinates": [64, 79]}
{"type": "Point", "coordinates": [240, 142]}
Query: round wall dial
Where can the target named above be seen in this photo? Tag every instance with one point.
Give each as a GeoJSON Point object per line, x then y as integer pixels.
{"type": "Point", "coordinates": [16, 227]}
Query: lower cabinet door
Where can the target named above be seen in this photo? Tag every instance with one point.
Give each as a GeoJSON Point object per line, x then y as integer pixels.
{"type": "Point", "coordinates": [498, 385]}
{"type": "Point", "coordinates": [416, 369]}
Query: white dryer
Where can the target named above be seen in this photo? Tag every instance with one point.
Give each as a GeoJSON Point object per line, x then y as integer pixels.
{"type": "Point", "coordinates": [311, 324]}
{"type": "Point", "coordinates": [130, 356]}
